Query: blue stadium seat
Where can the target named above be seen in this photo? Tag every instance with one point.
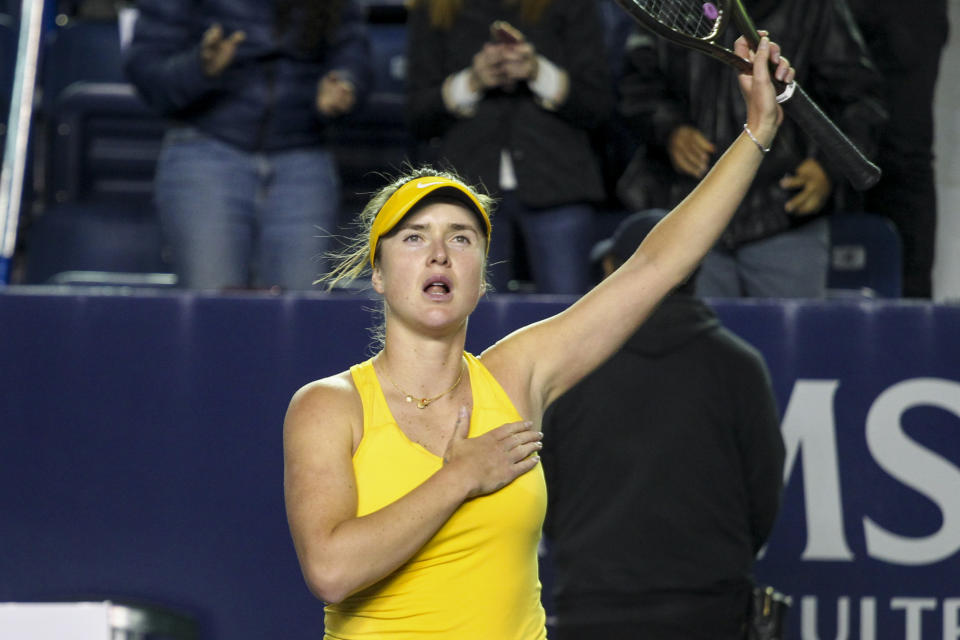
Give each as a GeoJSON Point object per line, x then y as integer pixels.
{"type": "Point", "coordinates": [10, 9]}
{"type": "Point", "coordinates": [103, 143]}
{"type": "Point", "coordinates": [97, 224]}
{"type": "Point", "coordinates": [80, 51]}
{"type": "Point", "coordinates": [865, 257]}
{"type": "Point", "coordinates": [96, 243]}
{"type": "Point", "coordinates": [102, 140]}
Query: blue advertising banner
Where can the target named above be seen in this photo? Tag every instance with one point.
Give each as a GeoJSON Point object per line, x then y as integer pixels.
{"type": "Point", "coordinates": [140, 452]}
{"type": "Point", "coordinates": [869, 530]}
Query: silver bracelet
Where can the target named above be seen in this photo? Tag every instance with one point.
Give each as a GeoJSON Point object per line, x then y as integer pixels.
{"type": "Point", "coordinates": [754, 138]}
{"type": "Point", "coordinates": [787, 93]}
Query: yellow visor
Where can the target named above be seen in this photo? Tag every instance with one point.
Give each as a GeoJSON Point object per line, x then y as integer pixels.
{"type": "Point", "coordinates": [407, 196]}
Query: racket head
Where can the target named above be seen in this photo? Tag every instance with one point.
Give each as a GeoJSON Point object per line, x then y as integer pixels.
{"type": "Point", "coordinates": [695, 24]}
{"type": "Point", "coordinates": [685, 22]}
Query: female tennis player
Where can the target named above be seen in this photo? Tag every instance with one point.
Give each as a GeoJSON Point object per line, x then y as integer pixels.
{"type": "Point", "coordinates": [413, 488]}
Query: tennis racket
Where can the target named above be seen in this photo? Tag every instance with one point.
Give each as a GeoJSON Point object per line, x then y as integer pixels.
{"type": "Point", "coordinates": [698, 24]}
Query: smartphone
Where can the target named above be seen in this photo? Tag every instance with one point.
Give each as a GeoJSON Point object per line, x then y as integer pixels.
{"type": "Point", "coordinates": [503, 32]}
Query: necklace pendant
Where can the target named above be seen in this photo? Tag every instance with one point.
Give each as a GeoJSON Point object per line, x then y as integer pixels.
{"type": "Point", "coordinates": [423, 403]}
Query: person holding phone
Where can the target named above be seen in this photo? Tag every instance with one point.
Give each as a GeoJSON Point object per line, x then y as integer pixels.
{"type": "Point", "coordinates": [511, 92]}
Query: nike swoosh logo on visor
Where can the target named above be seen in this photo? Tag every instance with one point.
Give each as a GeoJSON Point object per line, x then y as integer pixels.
{"type": "Point", "coordinates": [424, 185]}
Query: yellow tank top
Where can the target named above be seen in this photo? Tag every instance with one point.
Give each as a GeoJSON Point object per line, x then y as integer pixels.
{"type": "Point", "coordinates": [476, 579]}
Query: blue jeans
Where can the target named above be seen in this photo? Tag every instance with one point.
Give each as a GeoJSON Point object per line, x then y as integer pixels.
{"type": "Point", "coordinates": [791, 264]}
{"type": "Point", "coordinates": [239, 219]}
{"type": "Point", "coordinates": [557, 241]}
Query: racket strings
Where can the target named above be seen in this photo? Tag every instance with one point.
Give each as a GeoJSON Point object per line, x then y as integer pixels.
{"type": "Point", "coordinates": [694, 18]}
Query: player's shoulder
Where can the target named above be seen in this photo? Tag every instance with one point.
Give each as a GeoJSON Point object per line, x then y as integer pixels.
{"type": "Point", "coordinates": [319, 400]}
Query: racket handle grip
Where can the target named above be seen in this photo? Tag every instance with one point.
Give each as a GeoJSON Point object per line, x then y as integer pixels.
{"type": "Point", "coordinates": [838, 149]}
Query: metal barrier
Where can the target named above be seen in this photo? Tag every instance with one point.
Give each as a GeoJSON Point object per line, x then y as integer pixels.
{"type": "Point", "coordinates": [18, 130]}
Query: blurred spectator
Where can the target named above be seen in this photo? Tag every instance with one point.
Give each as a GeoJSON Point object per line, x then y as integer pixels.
{"type": "Point", "coordinates": [654, 520]}
{"type": "Point", "coordinates": [906, 46]}
{"type": "Point", "coordinates": [245, 189]}
{"type": "Point", "coordinates": [685, 106]}
{"type": "Point", "coordinates": [513, 108]}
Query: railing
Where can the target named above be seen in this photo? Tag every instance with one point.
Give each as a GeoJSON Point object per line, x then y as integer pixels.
{"type": "Point", "coordinates": [18, 130]}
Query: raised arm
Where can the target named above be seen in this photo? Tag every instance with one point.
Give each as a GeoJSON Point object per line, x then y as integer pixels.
{"type": "Point", "coordinates": [341, 552]}
{"type": "Point", "coordinates": [165, 60]}
{"type": "Point", "coordinates": [538, 363]}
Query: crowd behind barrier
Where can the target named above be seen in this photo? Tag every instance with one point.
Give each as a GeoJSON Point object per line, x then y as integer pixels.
{"type": "Point", "coordinates": [140, 452]}
{"type": "Point", "coordinates": [96, 143]}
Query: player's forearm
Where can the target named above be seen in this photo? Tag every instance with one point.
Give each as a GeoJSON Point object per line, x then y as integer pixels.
{"type": "Point", "coordinates": [361, 551]}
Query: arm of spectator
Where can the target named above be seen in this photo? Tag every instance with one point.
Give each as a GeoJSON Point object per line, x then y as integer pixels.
{"type": "Point", "coordinates": [813, 185]}
{"type": "Point", "coordinates": [690, 151]}
{"type": "Point", "coordinates": [349, 57]}
{"type": "Point", "coordinates": [218, 49]}
{"type": "Point", "coordinates": [519, 62]}
{"type": "Point", "coordinates": [459, 95]}
{"type": "Point", "coordinates": [165, 59]}
{"type": "Point", "coordinates": [462, 91]}
{"type": "Point", "coordinates": [335, 95]}
{"type": "Point", "coordinates": [550, 84]}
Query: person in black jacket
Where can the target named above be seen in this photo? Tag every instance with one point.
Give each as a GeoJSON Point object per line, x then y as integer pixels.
{"type": "Point", "coordinates": [684, 108]}
{"type": "Point", "coordinates": [513, 108]}
{"type": "Point", "coordinates": [654, 524]}
{"type": "Point", "coordinates": [245, 189]}
{"type": "Point", "coordinates": [902, 43]}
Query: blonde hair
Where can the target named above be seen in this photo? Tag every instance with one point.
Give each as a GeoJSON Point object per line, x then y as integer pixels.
{"type": "Point", "coordinates": [353, 261]}
{"type": "Point", "coordinates": [444, 12]}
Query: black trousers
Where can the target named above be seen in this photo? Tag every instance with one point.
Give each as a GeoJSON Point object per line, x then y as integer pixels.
{"type": "Point", "coordinates": [718, 616]}
{"type": "Point", "coordinates": [902, 43]}
{"type": "Point", "coordinates": [637, 631]}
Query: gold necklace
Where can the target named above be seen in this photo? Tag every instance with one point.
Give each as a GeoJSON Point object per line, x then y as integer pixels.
{"type": "Point", "coordinates": [423, 403]}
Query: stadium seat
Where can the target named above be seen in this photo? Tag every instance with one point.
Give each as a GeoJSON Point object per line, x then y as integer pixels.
{"type": "Point", "coordinates": [10, 9]}
{"type": "Point", "coordinates": [100, 143]}
{"type": "Point", "coordinates": [96, 243]}
{"type": "Point", "coordinates": [101, 139]}
{"type": "Point", "coordinates": [865, 257]}
{"type": "Point", "coordinates": [80, 51]}
{"type": "Point", "coordinates": [103, 144]}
